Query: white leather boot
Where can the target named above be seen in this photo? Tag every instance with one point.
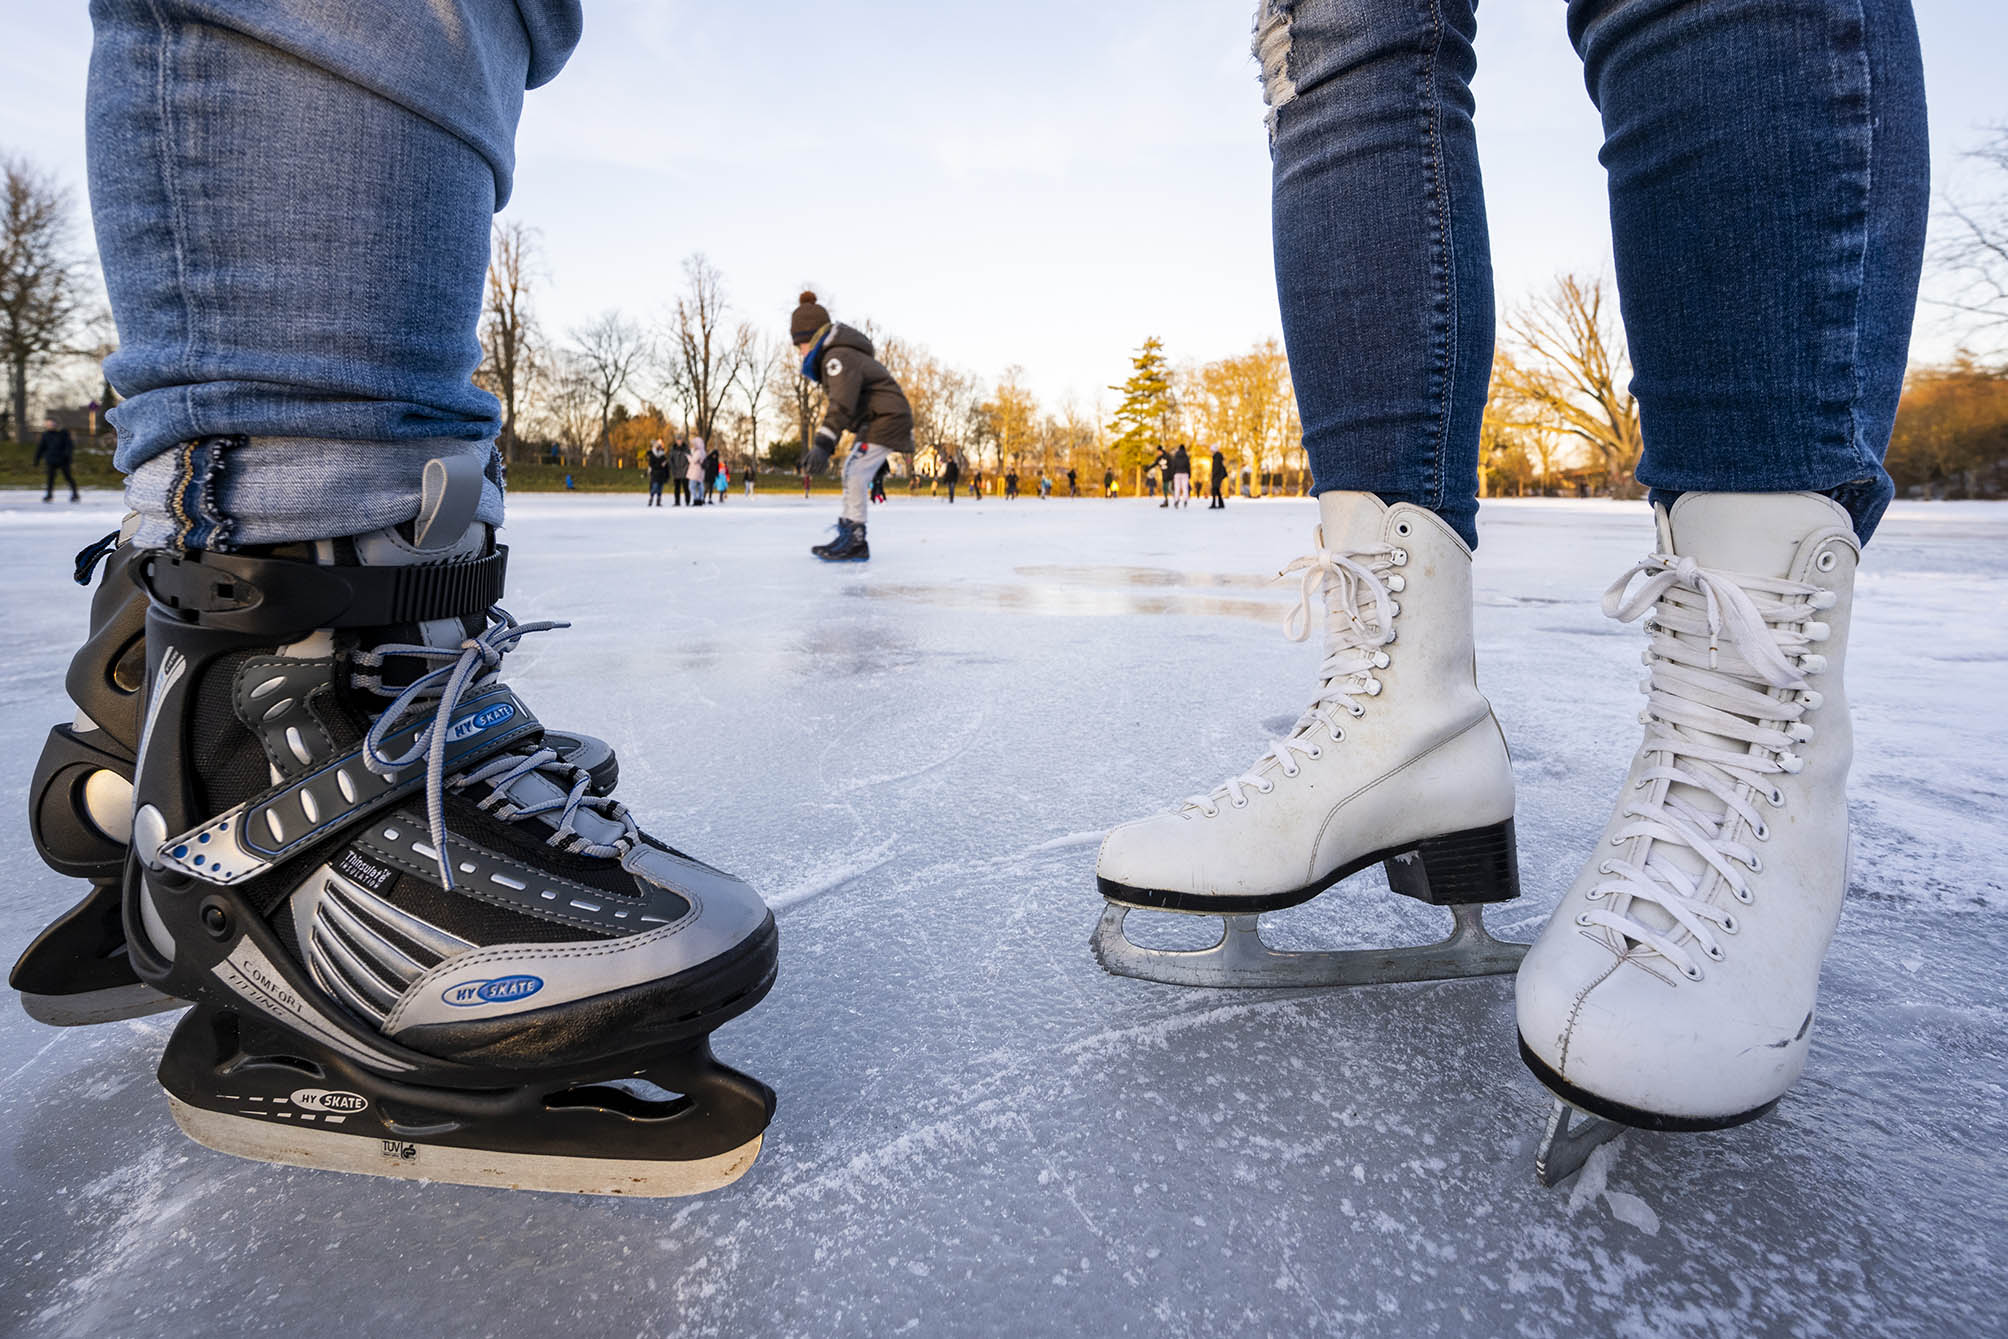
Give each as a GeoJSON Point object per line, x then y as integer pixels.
{"type": "Point", "coordinates": [1673, 989]}
{"type": "Point", "coordinates": [1397, 761]}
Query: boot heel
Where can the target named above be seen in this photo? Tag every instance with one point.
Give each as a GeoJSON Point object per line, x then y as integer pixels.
{"type": "Point", "coordinates": [1459, 868]}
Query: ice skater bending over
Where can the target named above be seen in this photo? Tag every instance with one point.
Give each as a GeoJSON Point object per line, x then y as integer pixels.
{"type": "Point", "coordinates": [863, 403]}
{"type": "Point", "coordinates": [421, 936]}
{"type": "Point", "coordinates": [1767, 247]}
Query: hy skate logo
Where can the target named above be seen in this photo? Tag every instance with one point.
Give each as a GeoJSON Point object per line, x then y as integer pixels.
{"type": "Point", "coordinates": [326, 1099]}
{"type": "Point", "coordinates": [474, 723]}
{"type": "Point", "coordinates": [502, 990]}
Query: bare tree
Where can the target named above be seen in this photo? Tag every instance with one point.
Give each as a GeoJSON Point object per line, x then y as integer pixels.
{"type": "Point", "coordinates": [1570, 370]}
{"type": "Point", "coordinates": [510, 353]}
{"type": "Point", "coordinates": [763, 360]}
{"type": "Point", "coordinates": [610, 349]}
{"type": "Point", "coordinates": [701, 359]}
{"type": "Point", "coordinates": [1975, 253]}
{"type": "Point", "coordinates": [43, 300]}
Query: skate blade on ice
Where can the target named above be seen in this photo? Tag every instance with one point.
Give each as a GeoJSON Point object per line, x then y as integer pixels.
{"type": "Point", "coordinates": [87, 1008]}
{"type": "Point", "coordinates": [1241, 960]}
{"type": "Point", "coordinates": [1568, 1143]}
{"type": "Point", "coordinates": [304, 1146]}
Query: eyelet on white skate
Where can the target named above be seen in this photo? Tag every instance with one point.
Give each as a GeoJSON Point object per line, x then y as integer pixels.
{"type": "Point", "coordinates": [1776, 799]}
{"type": "Point", "coordinates": [1744, 895]}
{"type": "Point", "coordinates": [1381, 660]}
{"type": "Point", "coordinates": [1396, 582]}
{"type": "Point", "coordinates": [1357, 710]}
{"type": "Point", "coordinates": [1692, 973]}
{"type": "Point", "coordinates": [1583, 918]}
{"type": "Point", "coordinates": [1291, 772]}
{"type": "Point", "coordinates": [1824, 599]}
{"type": "Point", "coordinates": [1241, 803]}
{"type": "Point", "coordinates": [1813, 664]}
{"type": "Point", "coordinates": [1827, 561]}
{"type": "Point", "coordinates": [1714, 954]}
{"type": "Point", "coordinates": [1730, 925]}
{"type": "Point", "coordinates": [1812, 699]}
{"type": "Point", "coordinates": [1373, 687]}
{"type": "Point", "coordinates": [1816, 631]}
{"type": "Point", "coordinates": [1401, 527]}
{"type": "Point", "coordinates": [1338, 734]}
{"type": "Point", "coordinates": [1605, 867]}
{"type": "Point", "coordinates": [1762, 832]}
{"type": "Point", "coordinates": [1315, 753]}
{"type": "Point", "coordinates": [1755, 863]}
{"type": "Point", "coordinates": [1791, 763]}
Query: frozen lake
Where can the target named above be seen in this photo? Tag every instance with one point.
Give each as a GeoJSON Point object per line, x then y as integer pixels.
{"type": "Point", "coordinates": [982, 1134]}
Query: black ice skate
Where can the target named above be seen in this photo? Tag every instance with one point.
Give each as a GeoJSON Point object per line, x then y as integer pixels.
{"type": "Point", "coordinates": [76, 972]}
{"type": "Point", "coordinates": [848, 547]}
{"type": "Point", "coordinates": [418, 943]}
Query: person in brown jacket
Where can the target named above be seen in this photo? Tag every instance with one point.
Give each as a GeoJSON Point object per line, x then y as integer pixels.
{"type": "Point", "coordinates": [863, 402]}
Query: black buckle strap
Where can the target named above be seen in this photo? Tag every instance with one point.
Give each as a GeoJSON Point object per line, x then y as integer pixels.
{"type": "Point", "coordinates": [236, 592]}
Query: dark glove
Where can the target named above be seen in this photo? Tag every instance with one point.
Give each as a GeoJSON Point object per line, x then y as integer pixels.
{"type": "Point", "coordinates": [820, 450]}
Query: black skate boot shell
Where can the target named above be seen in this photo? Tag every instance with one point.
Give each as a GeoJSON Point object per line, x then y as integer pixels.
{"type": "Point", "coordinates": [417, 942]}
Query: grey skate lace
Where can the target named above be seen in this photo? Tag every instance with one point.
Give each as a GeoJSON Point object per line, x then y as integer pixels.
{"type": "Point", "coordinates": [1349, 580]}
{"type": "Point", "coordinates": [1697, 689]}
{"type": "Point", "coordinates": [439, 691]}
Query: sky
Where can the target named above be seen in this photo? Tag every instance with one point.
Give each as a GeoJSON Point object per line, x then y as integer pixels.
{"type": "Point", "coordinates": [1038, 184]}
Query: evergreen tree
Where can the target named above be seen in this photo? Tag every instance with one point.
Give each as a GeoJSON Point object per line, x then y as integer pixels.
{"type": "Point", "coordinates": [1142, 421]}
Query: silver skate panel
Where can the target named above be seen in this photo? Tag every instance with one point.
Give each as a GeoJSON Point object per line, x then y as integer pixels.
{"type": "Point", "coordinates": [1242, 961]}
{"type": "Point", "coordinates": [1568, 1143]}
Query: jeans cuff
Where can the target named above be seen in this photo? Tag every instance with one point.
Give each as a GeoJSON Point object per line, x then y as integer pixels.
{"type": "Point", "coordinates": [221, 493]}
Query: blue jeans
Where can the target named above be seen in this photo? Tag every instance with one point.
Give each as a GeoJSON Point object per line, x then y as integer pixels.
{"type": "Point", "coordinates": [1769, 186]}
{"type": "Point", "coordinates": [292, 203]}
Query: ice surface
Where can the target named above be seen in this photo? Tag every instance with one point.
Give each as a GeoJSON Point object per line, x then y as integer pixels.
{"type": "Point", "coordinates": [979, 1132]}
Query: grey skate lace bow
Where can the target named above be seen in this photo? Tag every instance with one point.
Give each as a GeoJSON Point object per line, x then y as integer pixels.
{"type": "Point", "coordinates": [440, 690]}
{"type": "Point", "coordinates": [1352, 653]}
{"type": "Point", "coordinates": [1753, 690]}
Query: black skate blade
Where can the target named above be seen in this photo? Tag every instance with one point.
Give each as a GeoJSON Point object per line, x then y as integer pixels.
{"type": "Point", "coordinates": [1568, 1142]}
{"type": "Point", "coordinates": [263, 1140]}
{"type": "Point", "coordinates": [1240, 960]}
{"type": "Point", "coordinates": [671, 1121]}
{"type": "Point", "coordinates": [86, 1008]}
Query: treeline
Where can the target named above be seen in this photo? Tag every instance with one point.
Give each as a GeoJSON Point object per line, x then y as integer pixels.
{"type": "Point", "coordinates": [1560, 418]}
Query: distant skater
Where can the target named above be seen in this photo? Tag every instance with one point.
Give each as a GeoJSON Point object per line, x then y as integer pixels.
{"type": "Point", "coordinates": [658, 472]}
{"type": "Point", "coordinates": [679, 472]}
{"type": "Point", "coordinates": [55, 450]}
{"type": "Point", "coordinates": [951, 475]}
{"type": "Point", "coordinates": [1160, 475]}
{"type": "Point", "coordinates": [1073, 483]}
{"type": "Point", "coordinates": [1219, 481]}
{"type": "Point", "coordinates": [1010, 483]}
{"type": "Point", "coordinates": [1181, 476]}
{"type": "Point", "coordinates": [693, 473]}
{"type": "Point", "coordinates": [1108, 483]}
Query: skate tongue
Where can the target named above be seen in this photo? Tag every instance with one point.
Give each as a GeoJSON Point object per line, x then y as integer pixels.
{"type": "Point", "coordinates": [1756, 534]}
{"type": "Point", "coordinates": [1348, 521]}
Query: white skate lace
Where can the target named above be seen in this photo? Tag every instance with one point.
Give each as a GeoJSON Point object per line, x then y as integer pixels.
{"type": "Point", "coordinates": [1351, 581]}
{"type": "Point", "coordinates": [439, 692]}
{"type": "Point", "coordinates": [1698, 688]}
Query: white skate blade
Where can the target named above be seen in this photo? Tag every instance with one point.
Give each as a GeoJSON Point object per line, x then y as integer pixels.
{"type": "Point", "coordinates": [1567, 1145]}
{"type": "Point", "coordinates": [303, 1146]}
{"type": "Point", "coordinates": [1242, 961]}
{"type": "Point", "coordinates": [98, 1006]}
